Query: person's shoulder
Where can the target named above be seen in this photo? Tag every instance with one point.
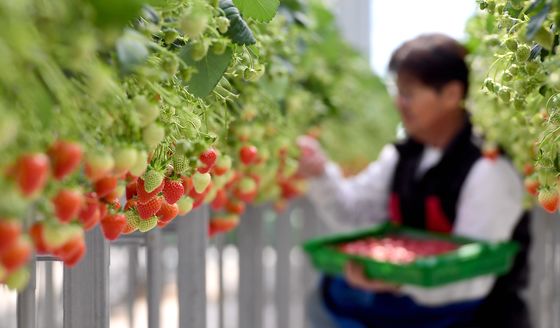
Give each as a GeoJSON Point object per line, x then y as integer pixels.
{"type": "Point", "coordinates": [495, 170]}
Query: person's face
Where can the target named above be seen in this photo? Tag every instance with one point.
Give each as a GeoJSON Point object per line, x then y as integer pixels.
{"type": "Point", "coordinates": [424, 109]}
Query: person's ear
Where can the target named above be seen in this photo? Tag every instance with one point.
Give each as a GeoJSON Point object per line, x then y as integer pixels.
{"type": "Point", "coordinates": [452, 94]}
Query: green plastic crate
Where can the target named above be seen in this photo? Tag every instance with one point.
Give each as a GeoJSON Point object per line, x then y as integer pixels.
{"type": "Point", "coordinates": [472, 258]}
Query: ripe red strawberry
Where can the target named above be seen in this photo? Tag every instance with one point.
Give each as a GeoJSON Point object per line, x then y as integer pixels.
{"type": "Point", "coordinates": [208, 157]}
{"type": "Point", "coordinates": [98, 165]}
{"type": "Point", "coordinates": [248, 154]}
{"type": "Point", "coordinates": [187, 184]}
{"type": "Point", "coordinates": [131, 203]}
{"type": "Point", "coordinates": [222, 224]}
{"type": "Point", "coordinates": [220, 200]}
{"type": "Point", "coordinates": [72, 250]}
{"type": "Point", "coordinates": [143, 195]}
{"type": "Point", "coordinates": [102, 210]}
{"type": "Point", "coordinates": [17, 255]}
{"type": "Point", "coordinates": [65, 157]}
{"type": "Point", "coordinates": [185, 205]}
{"type": "Point", "coordinates": [112, 225]}
{"type": "Point", "coordinates": [36, 233]}
{"type": "Point", "coordinates": [31, 173]}
{"type": "Point", "coordinates": [531, 185]}
{"type": "Point", "coordinates": [167, 212]}
{"type": "Point", "coordinates": [149, 208]}
{"type": "Point", "coordinates": [89, 214]}
{"type": "Point", "coordinates": [113, 198]}
{"type": "Point", "coordinates": [131, 190]}
{"type": "Point", "coordinates": [67, 204]}
{"type": "Point", "coordinates": [235, 207]}
{"type": "Point", "coordinates": [548, 198]}
{"type": "Point", "coordinates": [173, 190]}
{"type": "Point", "coordinates": [528, 169]}
{"type": "Point", "coordinates": [9, 234]}
{"type": "Point", "coordinates": [105, 185]}
{"type": "Point", "coordinates": [222, 165]}
{"type": "Point", "coordinates": [280, 206]}
{"type": "Point", "coordinates": [128, 229]}
{"type": "Point", "coordinates": [79, 252]}
{"type": "Point", "coordinates": [246, 189]}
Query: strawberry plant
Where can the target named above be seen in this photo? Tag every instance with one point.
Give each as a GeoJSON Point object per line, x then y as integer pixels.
{"type": "Point", "coordinates": [515, 88]}
{"type": "Point", "coordinates": [172, 105]}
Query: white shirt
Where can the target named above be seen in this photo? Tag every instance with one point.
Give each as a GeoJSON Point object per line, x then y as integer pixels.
{"type": "Point", "coordinates": [489, 207]}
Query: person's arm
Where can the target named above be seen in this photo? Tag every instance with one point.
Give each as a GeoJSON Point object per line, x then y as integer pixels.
{"type": "Point", "coordinates": [489, 207]}
{"type": "Point", "coordinates": [355, 202]}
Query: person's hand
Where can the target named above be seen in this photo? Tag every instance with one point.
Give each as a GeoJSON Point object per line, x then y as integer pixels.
{"type": "Point", "coordinates": [354, 274]}
{"type": "Point", "coordinates": [312, 160]}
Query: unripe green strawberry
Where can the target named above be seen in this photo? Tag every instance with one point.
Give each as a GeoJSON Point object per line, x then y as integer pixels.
{"type": "Point", "coordinates": [489, 84]}
{"type": "Point", "coordinates": [554, 101]}
{"type": "Point", "coordinates": [180, 163]}
{"type": "Point", "coordinates": [548, 198]}
{"type": "Point", "coordinates": [201, 181]}
{"type": "Point", "coordinates": [57, 235]}
{"type": "Point", "coordinates": [514, 69]}
{"type": "Point", "coordinates": [507, 76]}
{"type": "Point", "coordinates": [532, 67]}
{"type": "Point", "coordinates": [170, 36]}
{"type": "Point", "coordinates": [8, 128]}
{"type": "Point", "coordinates": [519, 103]}
{"type": "Point", "coordinates": [98, 164]}
{"type": "Point", "coordinates": [186, 74]}
{"type": "Point", "coordinates": [219, 47]}
{"type": "Point", "coordinates": [223, 24]}
{"type": "Point", "coordinates": [18, 279]}
{"type": "Point", "coordinates": [199, 50]}
{"type": "Point", "coordinates": [152, 180]}
{"type": "Point", "coordinates": [185, 205]}
{"type": "Point", "coordinates": [505, 94]}
{"type": "Point", "coordinates": [152, 135]}
{"type": "Point", "coordinates": [147, 112]}
{"type": "Point", "coordinates": [500, 8]}
{"type": "Point", "coordinates": [183, 147]}
{"type": "Point", "coordinates": [148, 224]}
{"type": "Point", "coordinates": [223, 164]}
{"type": "Point", "coordinates": [170, 65]}
{"type": "Point", "coordinates": [523, 53]}
{"type": "Point", "coordinates": [511, 44]}
{"type": "Point", "coordinates": [132, 218]}
{"type": "Point", "coordinates": [554, 80]}
{"type": "Point", "coordinates": [194, 24]}
{"type": "Point", "coordinates": [140, 165]}
{"type": "Point", "coordinates": [125, 158]}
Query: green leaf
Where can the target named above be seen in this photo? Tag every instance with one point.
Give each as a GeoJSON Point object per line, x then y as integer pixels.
{"type": "Point", "coordinates": [210, 70]}
{"type": "Point", "coordinates": [537, 21]}
{"type": "Point", "coordinates": [261, 10]}
{"type": "Point", "coordinates": [238, 30]}
{"type": "Point", "coordinates": [111, 13]}
{"type": "Point", "coordinates": [131, 52]}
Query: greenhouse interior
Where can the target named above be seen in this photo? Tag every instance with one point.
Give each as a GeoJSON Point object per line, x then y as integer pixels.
{"type": "Point", "coordinates": [279, 164]}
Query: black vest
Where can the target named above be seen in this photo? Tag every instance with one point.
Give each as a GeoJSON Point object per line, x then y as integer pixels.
{"type": "Point", "coordinates": [430, 202]}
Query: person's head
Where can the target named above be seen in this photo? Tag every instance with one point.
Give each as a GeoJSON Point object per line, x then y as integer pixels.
{"type": "Point", "coordinates": [432, 82]}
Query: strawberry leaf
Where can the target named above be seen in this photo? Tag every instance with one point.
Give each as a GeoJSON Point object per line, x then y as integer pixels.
{"type": "Point", "coordinates": [131, 51]}
{"type": "Point", "coordinates": [238, 30]}
{"type": "Point", "coordinates": [210, 70]}
{"type": "Point", "coordinates": [261, 10]}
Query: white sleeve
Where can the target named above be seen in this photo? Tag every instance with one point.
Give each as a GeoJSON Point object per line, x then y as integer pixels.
{"type": "Point", "coordinates": [357, 202]}
{"type": "Point", "coordinates": [489, 207]}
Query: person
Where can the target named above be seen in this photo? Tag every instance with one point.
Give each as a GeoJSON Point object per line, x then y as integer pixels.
{"type": "Point", "coordinates": [436, 179]}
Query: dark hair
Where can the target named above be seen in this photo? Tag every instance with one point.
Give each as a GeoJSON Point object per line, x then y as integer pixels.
{"type": "Point", "coordinates": [434, 59]}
